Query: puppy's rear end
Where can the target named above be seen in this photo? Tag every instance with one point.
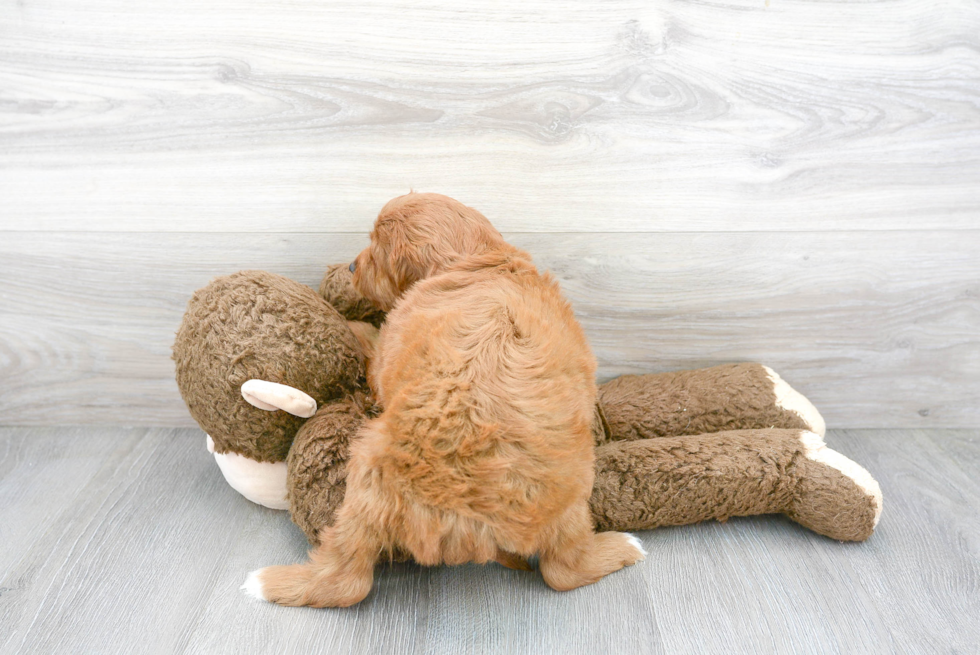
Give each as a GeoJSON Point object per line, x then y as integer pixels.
{"type": "Point", "coordinates": [484, 449]}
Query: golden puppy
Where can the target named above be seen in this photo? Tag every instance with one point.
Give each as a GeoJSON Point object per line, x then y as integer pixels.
{"type": "Point", "coordinates": [484, 449]}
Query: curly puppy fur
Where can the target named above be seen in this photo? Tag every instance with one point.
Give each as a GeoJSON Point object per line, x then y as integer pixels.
{"type": "Point", "coordinates": [484, 448]}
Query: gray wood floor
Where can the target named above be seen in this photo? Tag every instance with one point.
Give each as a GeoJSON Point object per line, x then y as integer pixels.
{"type": "Point", "coordinates": [116, 540]}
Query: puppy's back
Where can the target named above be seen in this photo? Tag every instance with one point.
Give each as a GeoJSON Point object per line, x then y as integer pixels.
{"type": "Point", "coordinates": [489, 389]}
{"type": "Point", "coordinates": [506, 333]}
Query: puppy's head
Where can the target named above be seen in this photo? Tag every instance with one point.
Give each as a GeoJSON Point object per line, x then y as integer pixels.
{"type": "Point", "coordinates": [416, 236]}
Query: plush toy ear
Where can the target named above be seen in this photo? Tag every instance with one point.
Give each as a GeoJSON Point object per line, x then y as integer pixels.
{"type": "Point", "coordinates": [271, 396]}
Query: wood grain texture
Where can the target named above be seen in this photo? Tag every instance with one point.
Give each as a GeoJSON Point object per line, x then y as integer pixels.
{"type": "Point", "coordinates": [740, 115]}
{"type": "Point", "coordinates": [129, 541]}
{"type": "Point", "coordinates": [701, 151]}
{"type": "Point", "coordinates": [877, 328]}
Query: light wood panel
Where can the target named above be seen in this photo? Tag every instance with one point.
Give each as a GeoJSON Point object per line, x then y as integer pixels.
{"type": "Point", "coordinates": [129, 541]}
{"type": "Point", "coordinates": [877, 328]}
{"type": "Point", "coordinates": [615, 116]}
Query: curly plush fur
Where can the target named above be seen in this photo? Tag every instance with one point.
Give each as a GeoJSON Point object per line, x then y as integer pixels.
{"type": "Point", "coordinates": [317, 463]}
{"type": "Point", "coordinates": [741, 397]}
{"type": "Point", "coordinates": [650, 483]}
{"type": "Point", "coordinates": [258, 325]}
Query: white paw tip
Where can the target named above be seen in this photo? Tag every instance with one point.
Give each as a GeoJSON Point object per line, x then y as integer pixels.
{"type": "Point", "coordinates": [792, 400]}
{"type": "Point", "coordinates": [817, 450]}
{"type": "Point", "coordinates": [253, 586]}
{"type": "Point", "coordinates": [636, 544]}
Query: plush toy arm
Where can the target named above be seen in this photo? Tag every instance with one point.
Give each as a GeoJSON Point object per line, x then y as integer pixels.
{"type": "Point", "coordinates": [727, 397]}
{"type": "Point", "coordinates": [271, 396]}
{"type": "Point", "coordinates": [336, 289]}
{"type": "Point", "coordinates": [317, 465]}
{"type": "Point", "coordinates": [681, 480]}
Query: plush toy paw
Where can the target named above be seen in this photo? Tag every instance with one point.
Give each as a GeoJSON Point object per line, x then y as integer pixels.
{"type": "Point", "coordinates": [792, 400]}
{"type": "Point", "coordinates": [836, 496]}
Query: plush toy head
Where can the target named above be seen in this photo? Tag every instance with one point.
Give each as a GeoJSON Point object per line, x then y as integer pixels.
{"type": "Point", "coordinates": [258, 325]}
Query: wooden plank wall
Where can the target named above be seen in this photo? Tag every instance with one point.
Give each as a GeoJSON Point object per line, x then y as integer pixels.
{"type": "Point", "coordinates": [791, 182]}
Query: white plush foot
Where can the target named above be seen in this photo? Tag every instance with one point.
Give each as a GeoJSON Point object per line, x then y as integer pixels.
{"type": "Point", "coordinates": [792, 400]}
{"type": "Point", "coordinates": [636, 544]}
{"type": "Point", "coordinates": [253, 586]}
{"type": "Point", "coordinates": [263, 483]}
{"type": "Point", "coordinates": [816, 450]}
{"type": "Point", "coordinates": [271, 396]}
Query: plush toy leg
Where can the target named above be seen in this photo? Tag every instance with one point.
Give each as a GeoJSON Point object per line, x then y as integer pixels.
{"type": "Point", "coordinates": [681, 480]}
{"type": "Point", "coordinates": [263, 483]}
{"type": "Point", "coordinates": [727, 397]}
{"type": "Point", "coordinates": [826, 500]}
{"type": "Point", "coordinates": [340, 571]}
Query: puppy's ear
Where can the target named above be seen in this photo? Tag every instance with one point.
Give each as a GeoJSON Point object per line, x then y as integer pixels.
{"type": "Point", "coordinates": [407, 255]}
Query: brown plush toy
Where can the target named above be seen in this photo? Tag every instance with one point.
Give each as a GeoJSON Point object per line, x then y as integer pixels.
{"type": "Point", "coordinates": [275, 374]}
{"type": "Point", "coordinates": [247, 344]}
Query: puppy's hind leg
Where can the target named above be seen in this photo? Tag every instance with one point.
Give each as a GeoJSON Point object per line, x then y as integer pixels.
{"type": "Point", "coordinates": [340, 572]}
{"type": "Point", "coordinates": [341, 569]}
{"type": "Point", "coordinates": [578, 556]}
